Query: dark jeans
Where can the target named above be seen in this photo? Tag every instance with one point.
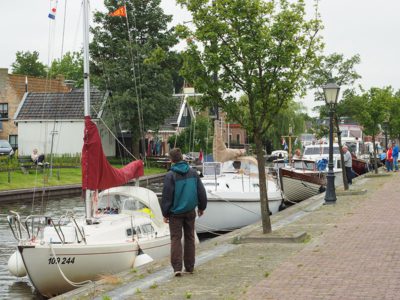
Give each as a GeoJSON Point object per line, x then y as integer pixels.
{"type": "Point", "coordinates": [349, 175]}
{"type": "Point", "coordinates": [183, 221]}
{"type": "Point", "coordinates": [40, 159]}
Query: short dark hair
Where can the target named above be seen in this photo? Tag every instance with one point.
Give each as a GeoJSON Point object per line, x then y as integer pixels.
{"type": "Point", "coordinates": [175, 155]}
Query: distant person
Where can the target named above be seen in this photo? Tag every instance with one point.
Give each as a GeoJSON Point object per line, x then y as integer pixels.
{"type": "Point", "coordinates": [382, 157]}
{"type": "Point", "coordinates": [297, 154]}
{"type": "Point", "coordinates": [36, 157]}
{"type": "Point", "coordinates": [348, 161]}
{"type": "Point", "coordinates": [389, 159]}
{"type": "Point", "coordinates": [182, 192]}
{"type": "Point", "coordinates": [395, 155]}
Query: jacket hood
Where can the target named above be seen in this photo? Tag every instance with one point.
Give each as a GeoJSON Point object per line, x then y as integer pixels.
{"type": "Point", "coordinates": [181, 167]}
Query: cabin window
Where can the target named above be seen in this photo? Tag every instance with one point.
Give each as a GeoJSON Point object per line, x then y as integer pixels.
{"type": "Point", "coordinates": [210, 184]}
{"type": "Point", "coordinates": [3, 111]}
{"type": "Point", "coordinates": [147, 229]}
{"type": "Point", "coordinates": [132, 204]}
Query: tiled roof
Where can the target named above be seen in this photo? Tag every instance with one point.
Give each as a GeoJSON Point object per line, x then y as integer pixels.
{"type": "Point", "coordinates": [50, 106]}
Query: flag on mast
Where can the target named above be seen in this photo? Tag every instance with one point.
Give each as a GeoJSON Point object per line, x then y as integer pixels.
{"type": "Point", "coordinates": [52, 14]}
{"type": "Point", "coordinates": [120, 12]}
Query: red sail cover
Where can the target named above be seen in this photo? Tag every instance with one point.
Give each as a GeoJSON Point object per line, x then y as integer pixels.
{"type": "Point", "coordinates": [97, 173]}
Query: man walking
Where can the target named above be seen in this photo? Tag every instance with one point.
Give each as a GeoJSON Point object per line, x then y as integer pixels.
{"type": "Point", "coordinates": [182, 192]}
{"type": "Point", "coordinates": [395, 155]}
{"type": "Point", "coordinates": [348, 161]}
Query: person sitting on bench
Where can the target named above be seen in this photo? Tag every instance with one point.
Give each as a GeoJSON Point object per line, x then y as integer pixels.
{"type": "Point", "coordinates": [37, 158]}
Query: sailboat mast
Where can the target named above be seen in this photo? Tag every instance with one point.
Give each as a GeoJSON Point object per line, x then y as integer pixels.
{"type": "Point", "coordinates": [86, 80]}
{"type": "Point", "coordinates": [86, 86]}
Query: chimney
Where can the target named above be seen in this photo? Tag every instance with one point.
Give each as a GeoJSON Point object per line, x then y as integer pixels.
{"type": "Point", "coordinates": [70, 83]}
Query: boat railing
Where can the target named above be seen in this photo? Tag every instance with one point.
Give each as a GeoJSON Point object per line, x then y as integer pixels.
{"type": "Point", "coordinates": [65, 219]}
{"type": "Point", "coordinates": [33, 226]}
{"type": "Point", "coordinates": [16, 226]}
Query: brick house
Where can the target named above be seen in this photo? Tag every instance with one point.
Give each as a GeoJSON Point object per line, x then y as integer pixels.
{"type": "Point", "coordinates": [12, 90]}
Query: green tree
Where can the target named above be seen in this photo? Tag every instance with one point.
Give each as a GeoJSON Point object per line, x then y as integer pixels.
{"type": "Point", "coordinates": [393, 119]}
{"type": "Point", "coordinates": [132, 58]}
{"type": "Point", "coordinates": [70, 66]}
{"type": "Point", "coordinates": [198, 136]}
{"type": "Point", "coordinates": [335, 67]}
{"type": "Point", "coordinates": [370, 109]}
{"type": "Point", "coordinates": [27, 63]}
{"type": "Point", "coordinates": [263, 49]}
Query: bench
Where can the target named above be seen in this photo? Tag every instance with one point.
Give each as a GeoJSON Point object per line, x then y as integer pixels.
{"type": "Point", "coordinates": [25, 163]}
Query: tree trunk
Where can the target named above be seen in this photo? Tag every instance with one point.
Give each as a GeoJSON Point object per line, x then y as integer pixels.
{"type": "Point", "coordinates": [375, 162]}
{"type": "Point", "coordinates": [344, 175]}
{"type": "Point", "coordinates": [266, 222]}
{"type": "Point", "coordinates": [136, 146]}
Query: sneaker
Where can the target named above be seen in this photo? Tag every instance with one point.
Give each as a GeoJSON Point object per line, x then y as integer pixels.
{"type": "Point", "coordinates": [188, 272]}
{"type": "Point", "coordinates": [178, 274]}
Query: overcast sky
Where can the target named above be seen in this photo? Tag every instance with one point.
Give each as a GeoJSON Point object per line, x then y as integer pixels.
{"type": "Point", "coordinates": [369, 28]}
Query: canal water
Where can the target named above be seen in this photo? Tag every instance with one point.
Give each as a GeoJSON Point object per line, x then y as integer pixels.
{"type": "Point", "coordinates": [12, 287]}
{"type": "Point", "coordinates": [20, 288]}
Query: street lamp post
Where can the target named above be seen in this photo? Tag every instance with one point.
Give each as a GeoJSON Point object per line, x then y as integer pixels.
{"type": "Point", "coordinates": [331, 93]}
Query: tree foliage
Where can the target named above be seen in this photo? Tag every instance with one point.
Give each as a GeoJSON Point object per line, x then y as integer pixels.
{"type": "Point", "coordinates": [196, 137]}
{"type": "Point", "coordinates": [262, 49]}
{"type": "Point", "coordinates": [132, 58]}
{"type": "Point", "coordinates": [70, 66]}
{"type": "Point", "coordinates": [27, 63]}
{"type": "Point", "coordinates": [370, 109]}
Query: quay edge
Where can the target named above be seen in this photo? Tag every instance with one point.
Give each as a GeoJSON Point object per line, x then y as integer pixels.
{"type": "Point", "coordinates": [52, 192]}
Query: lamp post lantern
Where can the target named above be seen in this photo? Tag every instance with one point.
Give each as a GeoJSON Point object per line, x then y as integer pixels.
{"type": "Point", "coordinates": [331, 93]}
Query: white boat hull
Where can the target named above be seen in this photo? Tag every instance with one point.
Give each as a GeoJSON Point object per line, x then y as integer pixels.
{"type": "Point", "coordinates": [234, 210]}
{"type": "Point", "coordinates": [78, 263]}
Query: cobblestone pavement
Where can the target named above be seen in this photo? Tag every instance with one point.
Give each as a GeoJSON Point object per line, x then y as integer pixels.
{"type": "Point", "coordinates": [353, 252]}
{"type": "Point", "coordinates": [358, 258]}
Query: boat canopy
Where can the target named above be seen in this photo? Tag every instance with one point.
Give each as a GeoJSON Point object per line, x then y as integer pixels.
{"type": "Point", "coordinates": [97, 173]}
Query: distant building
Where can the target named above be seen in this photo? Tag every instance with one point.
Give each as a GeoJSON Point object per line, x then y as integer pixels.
{"type": "Point", "coordinates": [54, 122]}
{"type": "Point", "coordinates": [12, 90]}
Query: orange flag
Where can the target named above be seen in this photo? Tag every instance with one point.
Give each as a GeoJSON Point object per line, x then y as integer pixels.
{"type": "Point", "coordinates": [120, 12]}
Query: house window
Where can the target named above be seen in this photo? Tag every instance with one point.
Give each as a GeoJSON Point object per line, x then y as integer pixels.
{"type": "Point", "coordinates": [3, 111]}
{"type": "Point", "coordinates": [13, 140]}
{"type": "Point", "coordinates": [238, 138]}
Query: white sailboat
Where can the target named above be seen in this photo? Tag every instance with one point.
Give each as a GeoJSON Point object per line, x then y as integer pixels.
{"type": "Point", "coordinates": [61, 254]}
{"type": "Point", "coordinates": [233, 192]}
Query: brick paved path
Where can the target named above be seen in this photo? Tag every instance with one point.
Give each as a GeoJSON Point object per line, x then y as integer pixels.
{"type": "Point", "coordinates": [358, 258]}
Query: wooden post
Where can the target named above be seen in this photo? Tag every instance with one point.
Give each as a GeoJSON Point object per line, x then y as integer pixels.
{"type": "Point", "coordinates": [290, 144]}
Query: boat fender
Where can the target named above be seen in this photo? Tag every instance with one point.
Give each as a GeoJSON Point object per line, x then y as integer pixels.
{"type": "Point", "coordinates": [142, 259]}
{"type": "Point", "coordinates": [16, 265]}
